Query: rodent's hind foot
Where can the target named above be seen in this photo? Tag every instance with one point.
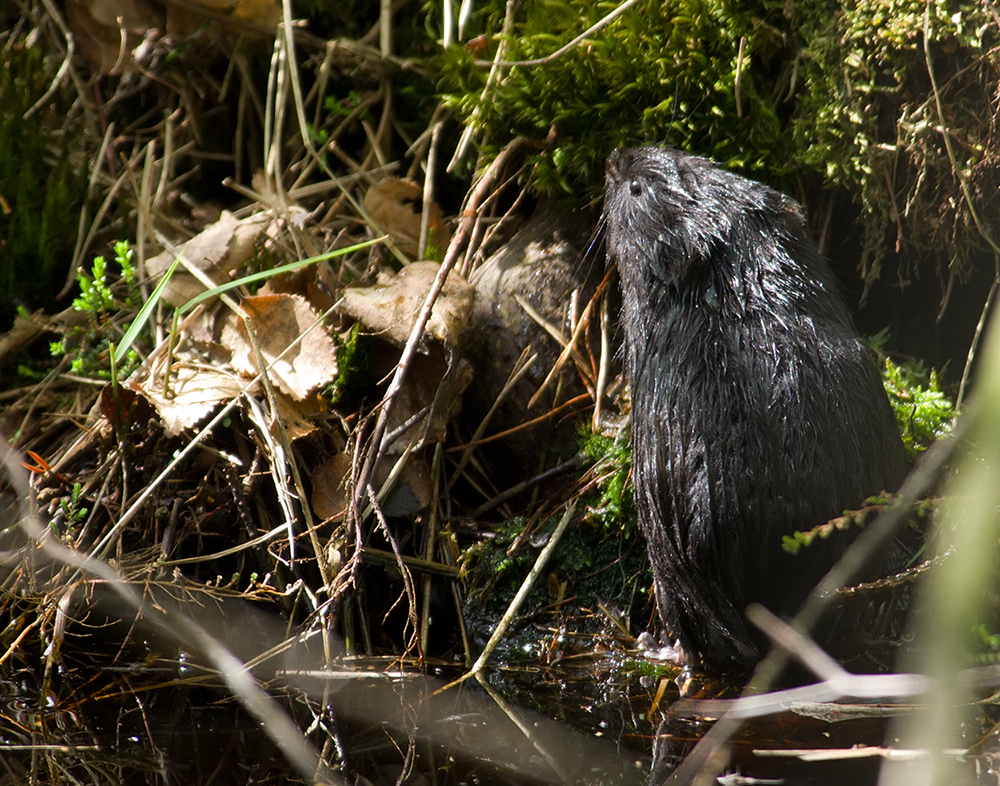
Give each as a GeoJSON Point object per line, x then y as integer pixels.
{"type": "Point", "coordinates": [653, 650]}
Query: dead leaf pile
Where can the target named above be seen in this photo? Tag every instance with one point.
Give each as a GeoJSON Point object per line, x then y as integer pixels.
{"type": "Point", "coordinates": [286, 333]}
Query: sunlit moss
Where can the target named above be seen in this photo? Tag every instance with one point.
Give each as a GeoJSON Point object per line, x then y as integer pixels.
{"type": "Point", "coordinates": [614, 505]}
{"type": "Point", "coordinates": [354, 369]}
{"type": "Point", "coordinates": [665, 72]}
{"type": "Point", "coordinates": [769, 89]}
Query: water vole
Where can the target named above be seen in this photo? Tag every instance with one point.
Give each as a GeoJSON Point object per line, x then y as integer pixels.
{"type": "Point", "coordinates": [756, 410]}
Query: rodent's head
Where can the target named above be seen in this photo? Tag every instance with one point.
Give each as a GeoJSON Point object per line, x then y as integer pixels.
{"type": "Point", "coordinates": [665, 210]}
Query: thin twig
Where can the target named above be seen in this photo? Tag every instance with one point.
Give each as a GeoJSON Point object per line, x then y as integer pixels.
{"type": "Point", "coordinates": [430, 541]}
{"type": "Point", "coordinates": [739, 74]}
{"type": "Point", "coordinates": [491, 81]}
{"type": "Point", "coordinates": [605, 364]}
{"type": "Point", "coordinates": [521, 367]}
{"type": "Point", "coordinates": [428, 195]}
{"type": "Point", "coordinates": [568, 350]}
{"type": "Point", "coordinates": [527, 485]}
{"type": "Point", "coordinates": [64, 67]}
{"type": "Point", "coordinates": [521, 426]}
{"type": "Point", "coordinates": [404, 571]}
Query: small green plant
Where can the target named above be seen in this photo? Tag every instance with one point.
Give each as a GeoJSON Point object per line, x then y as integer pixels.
{"type": "Point", "coordinates": [923, 412]}
{"type": "Point", "coordinates": [74, 513]}
{"type": "Point", "coordinates": [95, 294]}
{"type": "Point", "coordinates": [338, 107]}
{"type": "Point", "coordinates": [89, 346]}
{"type": "Point", "coordinates": [852, 519]}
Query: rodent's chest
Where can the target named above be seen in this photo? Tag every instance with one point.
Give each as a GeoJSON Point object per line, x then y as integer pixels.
{"type": "Point", "coordinates": [697, 355]}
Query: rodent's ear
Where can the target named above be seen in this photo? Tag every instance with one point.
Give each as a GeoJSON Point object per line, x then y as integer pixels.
{"type": "Point", "coordinates": [682, 173]}
{"type": "Point", "coordinates": [793, 214]}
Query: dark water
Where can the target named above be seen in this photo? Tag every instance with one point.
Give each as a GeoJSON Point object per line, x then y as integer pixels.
{"type": "Point", "coordinates": [122, 701]}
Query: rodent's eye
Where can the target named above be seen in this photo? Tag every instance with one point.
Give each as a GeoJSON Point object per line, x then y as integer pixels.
{"type": "Point", "coordinates": [635, 187]}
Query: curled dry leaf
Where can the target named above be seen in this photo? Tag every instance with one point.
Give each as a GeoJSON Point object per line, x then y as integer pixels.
{"type": "Point", "coordinates": [296, 366]}
{"type": "Point", "coordinates": [194, 391]}
{"type": "Point", "coordinates": [394, 204]}
{"type": "Point", "coordinates": [390, 308]}
{"type": "Point", "coordinates": [217, 251]}
{"type": "Point", "coordinates": [296, 416]}
{"type": "Point", "coordinates": [434, 384]}
{"type": "Point", "coordinates": [412, 492]}
{"type": "Point", "coordinates": [329, 487]}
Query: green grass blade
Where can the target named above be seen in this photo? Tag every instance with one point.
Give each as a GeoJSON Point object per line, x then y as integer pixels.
{"type": "Point", "coordinates": [265, 274]}
{"type": "Point", "coordinates": [143, 315]}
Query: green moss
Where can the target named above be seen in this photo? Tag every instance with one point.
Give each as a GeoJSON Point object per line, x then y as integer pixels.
{"type": "Point", "coordinates": [600, 557]}
{"type": "Point", "coordinates": [354, 370]}
{"type": "Point", "coordinates": [840, 90]}
{"type": "Point", "coordinates": [614, 506]}
{"type": "Point", "coordinates": [866, 117]}
{"type": "Point", "coordinates": [663, 72]}
{"type": "Point", "coordinates": [987, 644]}
{"type": "Point", "coordinates": [493, 576]}
{"type": "Point", "coordinates": [42, 187]}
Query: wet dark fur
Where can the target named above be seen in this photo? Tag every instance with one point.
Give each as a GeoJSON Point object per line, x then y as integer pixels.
{"type": "Point", "coordinates": [756, 410]}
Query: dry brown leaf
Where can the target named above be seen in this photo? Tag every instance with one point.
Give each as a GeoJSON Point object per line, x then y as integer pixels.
{"type": "Point", "coordinates": [295, 417]}
{"type": "Point", "coordinates": [279, 320]}
{"type": "Point", "coordinates": [394, 205]}
{"type": "Point", "coordinates": [432, 382]}
{"type": "Point", "coordinates": [193, 393]}
{"type": "Point", "coordinates": [112, 34]}
{"type": "Point", "coordinates": [411, 494]}
{"type": "Point", "coordinates": [390, 307]}
{"type": "Point", "coordinates": [329, 492]}
{"type": "Point", "coordinates": [217, 251]}
{"type": "Point", "coordinates": [262, 13]}
{"type": "Point", "coordinates": [98, 26]}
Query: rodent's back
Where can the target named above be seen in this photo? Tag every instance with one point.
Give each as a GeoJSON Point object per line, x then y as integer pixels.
{"type": "Point", "coordinates": [756, 410]}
